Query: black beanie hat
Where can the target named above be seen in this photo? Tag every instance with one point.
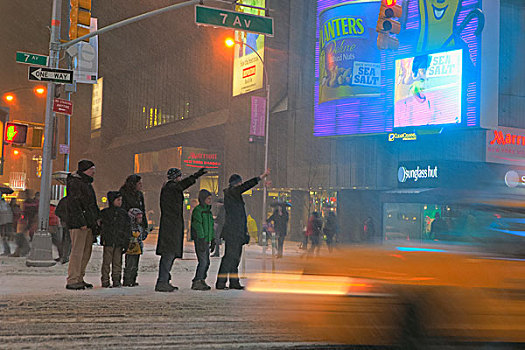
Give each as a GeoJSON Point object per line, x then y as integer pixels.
{"type": "Point", "coordinates": [112, 195]}
{"type": "Point", "coordinates": [235, 179]}
{"type": "Point", "coordinates": [203, 194]}
{"type": "Point", "coordinates": [174, 173]}
{"type": "Point", "coordinates": [85, 164]}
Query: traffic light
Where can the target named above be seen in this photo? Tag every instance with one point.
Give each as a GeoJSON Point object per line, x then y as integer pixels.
{"type": "Point", "coordinates": [387, 25]}
{"type": "Point", "coordinates": [79, 18]}
{"type": "Point", "coordinates": [15, 133]}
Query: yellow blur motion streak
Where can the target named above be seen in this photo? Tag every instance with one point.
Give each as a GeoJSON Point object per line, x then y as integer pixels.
{"type": "Point", "coordinates": [381, 295]}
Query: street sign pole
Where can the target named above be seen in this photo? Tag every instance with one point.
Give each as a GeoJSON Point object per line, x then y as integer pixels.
{"type": "Point", "coordinates": [41, 254]}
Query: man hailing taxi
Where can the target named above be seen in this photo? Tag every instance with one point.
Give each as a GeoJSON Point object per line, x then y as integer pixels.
{"type": "Point", "coordinates": [235, 230]}
{"type": "Point", "coordinates": [171, 230]}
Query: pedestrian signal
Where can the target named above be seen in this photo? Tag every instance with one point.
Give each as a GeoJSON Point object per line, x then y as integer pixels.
{"type": "Point", "coordinates": [15, 133]}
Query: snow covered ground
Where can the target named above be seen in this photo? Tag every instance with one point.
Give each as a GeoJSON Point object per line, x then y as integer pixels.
{"type": "Point", "coordinates": [36, 311]}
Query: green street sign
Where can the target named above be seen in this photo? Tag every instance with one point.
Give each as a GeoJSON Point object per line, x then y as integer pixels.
{"type": "Point", "coordinates": [31, 58]}
{"type": "Point", "coordinates": [214, 17]}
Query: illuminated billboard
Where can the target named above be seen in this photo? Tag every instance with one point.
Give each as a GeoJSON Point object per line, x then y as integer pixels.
{"type": "Point", "coordinates": [428, 89]}
{"type": "Point", "coordinates": [362, 90]}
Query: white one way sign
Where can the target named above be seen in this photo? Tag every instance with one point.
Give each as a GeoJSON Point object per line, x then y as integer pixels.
{"type": "Point", "coordinates": [61, 76]}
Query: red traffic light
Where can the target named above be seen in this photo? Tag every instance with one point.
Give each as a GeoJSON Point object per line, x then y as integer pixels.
{"type": "Point", "coordinates": [389, 3]}
{"type": "Point", "coordinates": [15, 133]}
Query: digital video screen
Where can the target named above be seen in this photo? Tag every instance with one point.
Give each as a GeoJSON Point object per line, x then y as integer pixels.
{"type": "Point", "coordinates": [428, 89]}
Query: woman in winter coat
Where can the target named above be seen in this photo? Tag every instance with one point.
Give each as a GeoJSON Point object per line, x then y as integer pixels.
{"type": "Point", "coordinates": [132, 197]}
{"type": "Point", "coordinates": [6, 221]}
{"type": "Point", "coordinates": [204, 237]}
{"type": "Point", "coordinates": [135, 248]}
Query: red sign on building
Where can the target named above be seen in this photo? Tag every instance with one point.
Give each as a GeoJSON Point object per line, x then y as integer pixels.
{"type": "Point", "coordinates": [62, 106]}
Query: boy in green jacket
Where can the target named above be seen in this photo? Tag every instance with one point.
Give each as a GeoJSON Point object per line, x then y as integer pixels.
{"type": "Point", "coordinates": [204, 237]}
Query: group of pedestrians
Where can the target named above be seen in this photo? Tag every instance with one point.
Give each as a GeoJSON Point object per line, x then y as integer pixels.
{"type": "Point", "coordinates": [315, 230]}
{"type": "Point", "coordinates": [123, 228]}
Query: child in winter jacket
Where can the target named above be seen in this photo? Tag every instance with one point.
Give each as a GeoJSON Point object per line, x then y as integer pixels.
{"type": "Point", "coordinates": [115, 234]}
{"type": "Point", "coordinates": [135, 247]}
{"type": "Point", "coordinates": [204, 237]}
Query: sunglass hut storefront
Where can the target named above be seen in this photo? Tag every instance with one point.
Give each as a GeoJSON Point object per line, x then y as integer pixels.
{"type": "Point", "coordinates": [434, 196]}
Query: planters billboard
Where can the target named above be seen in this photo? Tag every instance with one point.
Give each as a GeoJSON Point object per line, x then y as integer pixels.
{"type": "Point", "coordinates": [432, 79]}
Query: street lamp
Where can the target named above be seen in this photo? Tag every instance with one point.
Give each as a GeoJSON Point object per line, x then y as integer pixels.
{"type": "Point", "coordinates": [230, 43]}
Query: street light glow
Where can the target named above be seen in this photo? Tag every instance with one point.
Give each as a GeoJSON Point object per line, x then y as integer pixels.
{"type": "Point", "coordinates": [40, 90]}
{"type": "Point", "coordinates": [229, 42]}
{"type": "Point", "coordinates": [9, 97]}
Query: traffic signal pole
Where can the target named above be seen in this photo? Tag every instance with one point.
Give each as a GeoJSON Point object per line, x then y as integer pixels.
{"type": "Point", "coordinates": [41, 254]}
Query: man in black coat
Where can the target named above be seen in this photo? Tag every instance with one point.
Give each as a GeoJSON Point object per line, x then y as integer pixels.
{"type": "Point", "coordinates": [171, 231]}
{"type": "Point", "coordinates": [235, 230]}
{"type": "Point", "coordinates": [82, 220]}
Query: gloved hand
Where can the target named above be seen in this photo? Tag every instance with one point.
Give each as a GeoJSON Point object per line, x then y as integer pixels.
{"type": "Point", "coordinates": [212, 246]}
{"type": "Point", "coordinates": [247, 239]}
{"type": "Point", "coordinates": [201, 172]}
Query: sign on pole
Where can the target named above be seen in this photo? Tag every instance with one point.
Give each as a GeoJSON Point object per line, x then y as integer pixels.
{"type": "Point", "coordinates": [214, 17]}
{"type": "Point", "coordinates": [62, 106]}
{"type": "Point", "coordinates": [60, 76]}
{"type": "Point", "coordinates": [31, 58]}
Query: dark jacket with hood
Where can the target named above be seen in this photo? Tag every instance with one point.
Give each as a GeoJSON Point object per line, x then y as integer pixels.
{"type": "Point", "coordinates": [115, 230]}
{"type": "Point", "coordinates": [82, 208]}
{"type": "Point", "coordinates": [132, 198]}
{"type": "Point", "coordinates": [171, 230]}
{"type": "Point", "coordinates": [235, 227]}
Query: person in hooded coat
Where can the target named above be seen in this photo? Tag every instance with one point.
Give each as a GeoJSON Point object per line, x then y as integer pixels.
{"type": "Point", "coordinates": [132, 197]}
{"type": "Point", "coordinates": [235, 230]}
{"type": "Point", "coordinates": [171, 230]}
{"type": "Point", "coordinates": [115, 235]}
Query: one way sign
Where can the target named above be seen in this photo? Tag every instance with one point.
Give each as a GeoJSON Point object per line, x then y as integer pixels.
{"type": "Point", "coordinates": [61, 76]}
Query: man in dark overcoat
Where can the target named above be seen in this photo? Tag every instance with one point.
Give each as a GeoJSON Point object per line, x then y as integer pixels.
{"type": "Point", "coordinates": [171, 231]}
{"type": "Point", "coordinates": [235, 230]}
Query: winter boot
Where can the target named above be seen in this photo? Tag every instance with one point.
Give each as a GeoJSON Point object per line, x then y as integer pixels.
{"type": "Point", "coordinates": [164, 287]}
{"type": "Point", "coordinates": [7, 249]}
{"type": "Point", "coordinates": [234, 284]}
{"type": "Point", "coordinates": [105, 284]}
{"type": "Point", "coordinates": [221, 283]}
{"type": "Point", "coordinates": [200, 285]}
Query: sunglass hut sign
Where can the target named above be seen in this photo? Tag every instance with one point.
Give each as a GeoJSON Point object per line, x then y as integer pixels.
{"type": "Point", "coordinates": [407, 174]}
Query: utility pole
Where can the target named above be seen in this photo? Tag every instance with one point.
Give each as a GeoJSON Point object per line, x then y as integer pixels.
{"type": "Point", "coordinates": [41, 254]}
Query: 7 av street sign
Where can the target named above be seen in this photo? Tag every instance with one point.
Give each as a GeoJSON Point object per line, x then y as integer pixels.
{"type": "Point", "coordinates": [214, 17]}
{"type": "Point", "coordinates": [61, 76]}
{"type": "Point", "coordinates": [31, 58]}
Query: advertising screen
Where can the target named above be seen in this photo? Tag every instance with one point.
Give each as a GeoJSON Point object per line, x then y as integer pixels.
{"type": "Point", "coordinates": [433, 78]}
{"type": "Point", "coordinates": [428, 89]}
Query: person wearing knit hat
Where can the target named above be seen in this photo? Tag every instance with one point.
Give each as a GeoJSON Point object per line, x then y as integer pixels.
{"type": "Point", "coordinates": [85, 164]}
{"type": "Point", "coordinates": [235, 230]}
{"type": "Point", "coordinates": [171, 231]}
{"type": "Point", "coordinates": [82, 219]}
{"type": "Point", "coordinates": [115, 233]}
{"type": "Point", "coordinates": [204, 238]}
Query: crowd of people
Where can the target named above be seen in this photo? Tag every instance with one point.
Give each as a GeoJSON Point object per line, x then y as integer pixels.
{"type": "Point", "coordinates": [123, 227]}
{"type": "Point", "coordinates": [76, 221]}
